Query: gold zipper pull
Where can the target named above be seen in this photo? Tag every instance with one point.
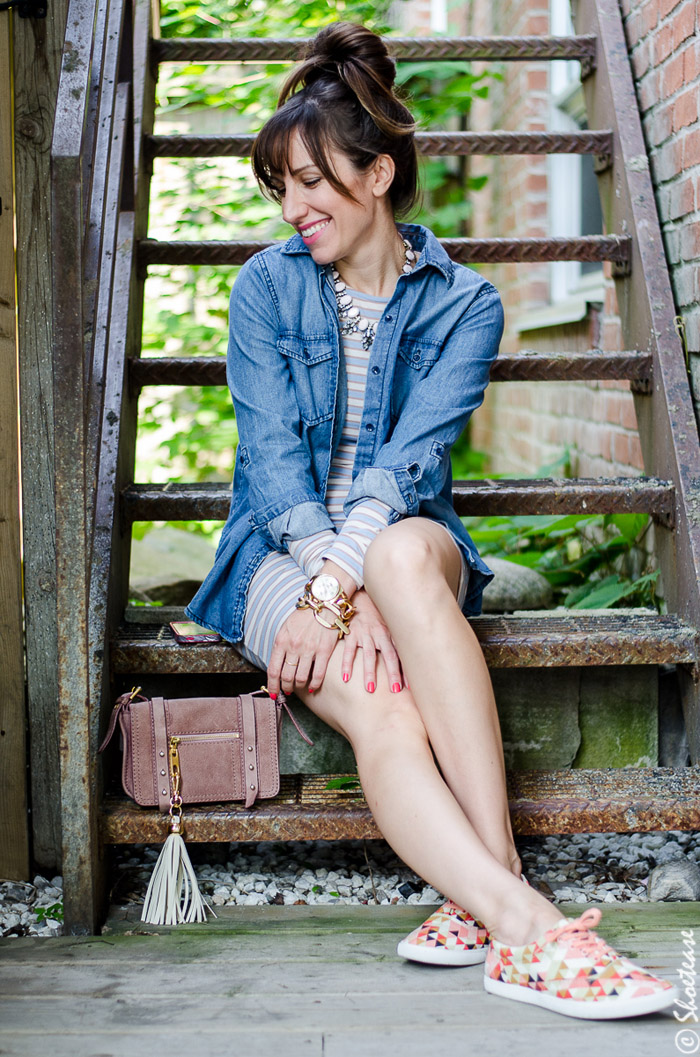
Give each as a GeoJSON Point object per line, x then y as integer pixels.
{"type": "Point", "coordinates": [174, 760]}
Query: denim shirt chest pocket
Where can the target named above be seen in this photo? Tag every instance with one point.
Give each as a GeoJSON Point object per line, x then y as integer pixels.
{"type": "Point", "coordinates": [415, 357]}
{"type": "Point", "coordinates": [312, 368]}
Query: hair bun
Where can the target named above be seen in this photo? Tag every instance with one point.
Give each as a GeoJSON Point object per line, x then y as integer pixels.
{"type": "Point", "coordinates": [344, 43]}
{"type": "Point", "coordinates": [357, 58]}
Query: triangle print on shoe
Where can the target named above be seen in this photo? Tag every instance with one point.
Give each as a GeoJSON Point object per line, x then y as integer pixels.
{"type": "Point", "coordinates": [450, 936]}
{"type": "Point", "coordinates": [571, 970]}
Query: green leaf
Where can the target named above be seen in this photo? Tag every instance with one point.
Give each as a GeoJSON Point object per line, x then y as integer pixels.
{"type": "Point", "coordinates": [346, 781]}
{"type": "Point", "coordinates": [629, 525]}
{"type": "Point", "coordinates": [612, 590]}
{"type": "Point", "coordinates": [54, 912]}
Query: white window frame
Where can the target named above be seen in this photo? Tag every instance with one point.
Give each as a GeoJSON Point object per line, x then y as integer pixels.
{"type": "Point", "coordinates": [570, 291]}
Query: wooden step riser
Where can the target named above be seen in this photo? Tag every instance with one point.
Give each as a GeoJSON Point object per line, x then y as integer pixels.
{"type": "Point", "coordinates": [613, 248]}
{"type": "Point", "coordinates": [541, 802]}
{"type": "Point", "coordinates": [429, 144]}
{"type": "Point", "coordinates": [523, 366]}
{"type": "Point", "coordinates": [545, 641]}
{"type": "Point", "coordinates": [403, 49]}
{"type": "Point", "coordinates": [629, 495]}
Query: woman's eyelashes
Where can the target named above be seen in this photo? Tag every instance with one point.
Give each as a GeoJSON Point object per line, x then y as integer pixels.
{"type": "Point", "coordinates": [280, 191]}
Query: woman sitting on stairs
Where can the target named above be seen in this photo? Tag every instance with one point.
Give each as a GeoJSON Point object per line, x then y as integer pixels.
{"type": "Point", "coordinates": [358, 352]}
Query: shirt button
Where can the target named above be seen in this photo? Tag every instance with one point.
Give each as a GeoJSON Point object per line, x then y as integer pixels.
{"type": "Point", "coordinates": [370, 427]}
{"type": "Point", "coordinates": [389, 319]}
{"type": "Point", "coordinates": [375, 370]}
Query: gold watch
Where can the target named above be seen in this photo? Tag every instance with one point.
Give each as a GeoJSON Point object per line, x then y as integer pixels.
{"type": "Point", "coordinates": [324, 592]}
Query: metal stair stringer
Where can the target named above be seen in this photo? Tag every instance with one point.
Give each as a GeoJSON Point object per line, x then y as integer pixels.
{"type": "Point", "coordinates": [667, 426]}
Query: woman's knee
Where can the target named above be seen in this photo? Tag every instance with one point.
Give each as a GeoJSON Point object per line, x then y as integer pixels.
{"type": "Point", "coordinates": [399, 550]}
{"type": "Point", "coordinates": [405, 556]}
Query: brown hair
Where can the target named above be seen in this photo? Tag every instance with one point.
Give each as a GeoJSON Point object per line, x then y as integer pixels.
{"type": "Point", "coordinates": [342, 98]}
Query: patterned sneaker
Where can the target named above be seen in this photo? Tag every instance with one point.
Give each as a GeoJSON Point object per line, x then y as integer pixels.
{"type": "Point", "coordinates": [450, 936]}
{"type": "Point", "coordinates": [571, 970]}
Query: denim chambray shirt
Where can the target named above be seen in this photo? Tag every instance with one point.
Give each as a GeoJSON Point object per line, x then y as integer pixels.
{"type": "Point", "coordinates": [428, 369]}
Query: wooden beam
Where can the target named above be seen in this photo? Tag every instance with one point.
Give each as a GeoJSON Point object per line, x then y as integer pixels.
{"type": "Point", "coordinates": [37, 50]}
{"type": "Point", "coordinates": [14, 833]}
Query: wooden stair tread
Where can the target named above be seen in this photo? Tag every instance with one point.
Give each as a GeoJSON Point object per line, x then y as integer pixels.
{"type": "Point", "coordinates": [524, 365]}
{"type": "Point", "coordinates": [404, 49]}
{"type": "Point", "coordinates": [176, 501]}
{"type": "Point", "coordinates": [614, 248]}
{"type": "Point", "coordinates": [542, 802]}
{"type": "Point", "coordinates": [534, 640]}
{"type": "Point", "coordinates": [433, 144]}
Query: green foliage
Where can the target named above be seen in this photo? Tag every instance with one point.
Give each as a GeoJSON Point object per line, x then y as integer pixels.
{"type": "Point", "coordinates": [585, 558]}
{"type": "Point", "coordinates": [346, 782]}
{"type": "Point", "coordinates": [54, 912]}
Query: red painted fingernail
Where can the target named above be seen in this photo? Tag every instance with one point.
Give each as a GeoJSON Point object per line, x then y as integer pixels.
{"type": "Point", "coordinates": [273, 696]}
{"type": "Point", "coordinates": [370, 687]}
{"type": "Point", "coordinates": [396, 688]}
{"type": "Point", "coordinates": [346, 677]}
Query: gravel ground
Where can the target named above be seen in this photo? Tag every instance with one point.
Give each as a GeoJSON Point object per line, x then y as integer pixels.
{"type": "Point", "coordinates": [580, 868]}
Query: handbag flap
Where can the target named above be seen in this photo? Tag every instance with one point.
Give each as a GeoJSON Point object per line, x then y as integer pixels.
{"type": "Point", "coordinates": [215, 754]}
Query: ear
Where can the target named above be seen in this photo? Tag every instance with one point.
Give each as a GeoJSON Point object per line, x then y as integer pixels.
{"type": "Point", "coordinates": [383, 172]}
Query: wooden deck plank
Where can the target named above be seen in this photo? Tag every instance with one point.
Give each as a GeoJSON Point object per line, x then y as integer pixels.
{"type": "Point", "coordinates": [14, 835]}
{"type": "Point", "coordinates": [307, 981]}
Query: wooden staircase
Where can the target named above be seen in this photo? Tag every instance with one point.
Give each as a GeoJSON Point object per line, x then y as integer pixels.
{"type": "Point", "coordinates": [104, 135]}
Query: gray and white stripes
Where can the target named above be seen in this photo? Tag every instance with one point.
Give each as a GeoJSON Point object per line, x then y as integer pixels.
{"type": "Point", "coordinates": [281, 577]}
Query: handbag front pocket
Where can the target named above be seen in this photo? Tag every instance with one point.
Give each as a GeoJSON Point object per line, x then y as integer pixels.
{"type": "Point", "coordinates": [210, 766]}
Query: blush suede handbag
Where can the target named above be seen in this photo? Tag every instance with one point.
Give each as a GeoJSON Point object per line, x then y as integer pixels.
{"type": "Point", "coordinates": [222, 748]}
{"type": "Point", "coordinates": [195, 750]}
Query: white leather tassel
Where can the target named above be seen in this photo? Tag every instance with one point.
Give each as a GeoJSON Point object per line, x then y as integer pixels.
{"type": "Point", "coordinates": [173, 896]}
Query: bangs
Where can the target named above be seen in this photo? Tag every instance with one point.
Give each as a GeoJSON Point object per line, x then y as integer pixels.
{"type": "Point", "coordinates": [270, 156]}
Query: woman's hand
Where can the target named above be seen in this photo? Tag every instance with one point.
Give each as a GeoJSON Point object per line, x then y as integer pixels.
{"type": "Point", "coordinates": [300, 653]}
{"type": "Point", "coordinates": [369, 633]}
{"type": "Point", "coordinates": [303, 648]}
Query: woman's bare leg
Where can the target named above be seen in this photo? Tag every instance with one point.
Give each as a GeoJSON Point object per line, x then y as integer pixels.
{"type": "Point", "coordinates": [417, 813]}
{"type": "Point", "coordinates": [412, 573]}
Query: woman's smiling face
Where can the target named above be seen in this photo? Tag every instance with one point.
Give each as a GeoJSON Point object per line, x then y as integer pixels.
{"type": "Point", "coordinates": [332, 225]}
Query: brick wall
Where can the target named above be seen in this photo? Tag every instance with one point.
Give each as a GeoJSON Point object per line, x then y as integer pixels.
{"type": "Point", "coordinates": [524, 428]}
{"type": "Point", "coordinates": [662, 38]}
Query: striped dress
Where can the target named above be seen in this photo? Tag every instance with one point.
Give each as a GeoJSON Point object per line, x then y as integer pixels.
{"type": "Point", "coordinates": [281, 577]}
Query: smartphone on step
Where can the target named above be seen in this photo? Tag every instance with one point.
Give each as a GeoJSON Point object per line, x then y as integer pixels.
{"type": "Point", "coordinates": [188, 633]}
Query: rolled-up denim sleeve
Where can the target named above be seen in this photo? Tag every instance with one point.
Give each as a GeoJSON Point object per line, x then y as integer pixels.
{"type": "Point", "coordinates": [285, 505]}
{"type": "Point", "coordinates": [412, 465]}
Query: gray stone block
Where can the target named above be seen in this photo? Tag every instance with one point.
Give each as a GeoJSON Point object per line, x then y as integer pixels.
{"type": "Point", "coordinates": [330, 753]}
{"type": "Point", "coordinates": [674, 882]}
{"type": "Point", "coordinates": [551, 718]}
{"type": "Point", "coordinates": [618, 717]}
{"type": "Point", "coordinates": [538, 711]}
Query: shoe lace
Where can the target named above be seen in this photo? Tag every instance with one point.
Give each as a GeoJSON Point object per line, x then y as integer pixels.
{"type": "Point", "coordinates": [579, 934]}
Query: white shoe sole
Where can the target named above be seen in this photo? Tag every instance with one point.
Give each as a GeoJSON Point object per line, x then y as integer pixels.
{"type": "Point", "coordinates": [611, 1008]}
{"type": "Point", "coordinates": [439, 956]}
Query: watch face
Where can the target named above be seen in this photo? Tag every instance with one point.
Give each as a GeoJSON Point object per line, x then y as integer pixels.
{"type": "Point", "coordinates": [325, 588]}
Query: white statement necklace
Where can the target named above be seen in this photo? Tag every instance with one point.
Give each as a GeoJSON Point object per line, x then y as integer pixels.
{"type": "Point", "coordinates": [351, 319]}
